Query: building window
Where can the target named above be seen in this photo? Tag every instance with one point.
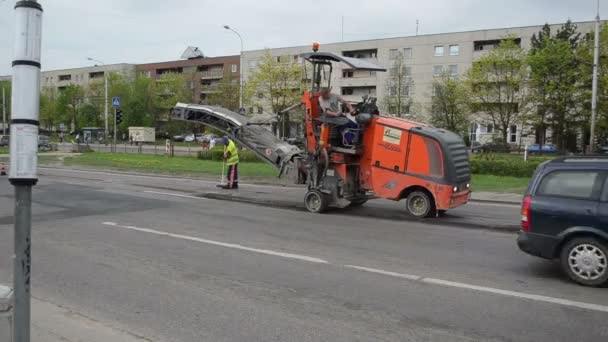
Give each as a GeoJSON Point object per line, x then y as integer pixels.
{"type": "Point", "coordinates": [347, 91]}
{"type": "Point", "coordinates": [260, 110]}
{"type": "Point", "coordinates": [454, 50]}
{"type": "Point", "coordinates": [97, 74]}
{"type": "Point", "coordinates": [513, 134]}
{"type": "Point", "coordinates": [252, 64]}
{"type": "Point", "coordinates": [439, 50]}
{"type": "Point", "coordinates": [453, 69]}
{"type": "Point", "coordinates": [490, 128]}
{"type": "Point", "coordinates": [407, 71]}
{"type": "Point", "coordinates": [437, 70]}
{"type": "Point", "coordinates": [250, 110]}
{"type": "Point", "coordinates": [233, 67]}
{"type": "Point", "coordinates": [65, 77]}
{"type": "Point", "coordinates": [347, 74]}
{"type": "Point", "coordinates": [473, 132]}
{"type": "Point", "coordinates": [393, 53]}
{"type": "Point", "coordinates": [407, 52]}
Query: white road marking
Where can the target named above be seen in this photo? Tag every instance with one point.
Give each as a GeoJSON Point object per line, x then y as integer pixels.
{"type": "Point", "coordinates": [388, 273]}
{"type": "Point", "coordinates": [412, 277]}
{"type": "Point", "coordinates": [219, 243]}
{"type": "Point", "coordinates": [174, 194]}
{"type": "Point", "coordinates": [538, 298]}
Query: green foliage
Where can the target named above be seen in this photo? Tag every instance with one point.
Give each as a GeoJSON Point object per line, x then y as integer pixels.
{"type": "Point", "coordinates": [554, 83]}
{"type": "Point", "coordinates": [505, 165]}
{"type": "Point", "coordinates": [217, 154]}
{"type": "Point", "coordinates": [497, 84]}
{"type": "Point", "coordinates": [69, 101]}
{"type": "Point", "coordinates": [6, 85]}
{"type": "Point", "coordinates": [450, 104]}
{"type": "Point", "coordinates": [275, 84]}
{"type": "Point", "coordinates": [399, 88]}
{"type": "Point", "coordinates": [226, 95]}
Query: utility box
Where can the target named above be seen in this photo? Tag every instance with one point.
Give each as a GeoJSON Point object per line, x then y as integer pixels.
{"type": "Point", "coordinates": [142, 134]}
{"type": "Point", "coordinates": [6, 313]}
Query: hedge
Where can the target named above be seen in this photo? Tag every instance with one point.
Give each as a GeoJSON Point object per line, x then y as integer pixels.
{"type": "Point", "coordinates": [505, 165]}
{"type": "Point", "coordinates": [218, 153]}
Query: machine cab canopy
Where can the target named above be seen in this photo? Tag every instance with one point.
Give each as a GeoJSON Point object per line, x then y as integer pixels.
{"type": "Point", "coordinates": [353, 63]}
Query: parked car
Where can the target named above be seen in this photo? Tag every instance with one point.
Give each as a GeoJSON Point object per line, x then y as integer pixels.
{"type": "Point", "coordinates": [179, 137]}
{"type": "Point", "coordinates": [4, 140]}
{"type": "Point", "coordinates": [564, 216]}
{"type": "Point", "coordinates": [546, 149]}
{"type": "Point", "coordinates": [43, 141]}
{"type": "Point", "coordinates": [209, 137]}
{"type": "Point", "coordinates": [190, 138]}
{"type": "Point", "coordinates": [493, 147]}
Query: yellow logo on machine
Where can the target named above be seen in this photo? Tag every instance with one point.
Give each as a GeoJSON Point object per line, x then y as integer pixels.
{"type": "Point", "coordinates": [392, 135]}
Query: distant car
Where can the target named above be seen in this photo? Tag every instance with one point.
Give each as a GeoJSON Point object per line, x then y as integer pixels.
{"type": "Point", "coordinates": [564, 216]}
{"type": "Point", "coordinates": [494, 147]}
{"type": "Point", "coordinates": [4, 140]}
{"type": "Point", "coordinates": [546, 148]}
{"type": "Point", "coordinates": [179, 137]}
{"type": "Point", "coordinates": [43, 141]}
{"type": "Point", "coordinates": [190, 138]}
{"type": "Point", "coordinates": [209, 137]}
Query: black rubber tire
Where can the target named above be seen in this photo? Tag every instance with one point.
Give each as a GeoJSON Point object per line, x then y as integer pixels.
{"type": "Point", "coordinates": [316, 202]}
{"type": "Point", "coordinates": [357, 203]}
{"type": "Point", "coordinates": [419, 204]}
{"type": "Point", "coordinates": [571, 246]}
{"type": "Point", "coordinates": [442, 212]}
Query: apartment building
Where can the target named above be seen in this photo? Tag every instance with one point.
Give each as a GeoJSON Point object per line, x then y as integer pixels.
{"type": "Point", "coordinates": [56, 80]}
{"type": "Point", "coordinates": [202, 74]}
{"type": "Point", "coordinates": [424, 57]}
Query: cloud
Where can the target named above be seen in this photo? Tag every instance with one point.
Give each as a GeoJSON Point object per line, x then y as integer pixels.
{"type": "Point", "coordinates": [139, 31]}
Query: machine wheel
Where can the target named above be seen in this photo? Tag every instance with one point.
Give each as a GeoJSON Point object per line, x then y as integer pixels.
{"type": "Point", "coordinates": [585, 260]}
{"type": "Point", "coordinates": [316, 202]}
{"type": "Point", "coordinates": [357, 202]}
{"type": "Point", "coordinates": [442, 212]}
{"type": "Point", "coordinates": [419, 204]}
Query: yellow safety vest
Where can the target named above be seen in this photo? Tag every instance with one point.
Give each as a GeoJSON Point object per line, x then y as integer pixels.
{"type": "Point", "coordinates": [234, 153]}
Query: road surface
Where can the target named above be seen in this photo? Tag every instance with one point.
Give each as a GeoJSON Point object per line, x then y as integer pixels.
{"type": "Point", "coordinates": [150, 256]}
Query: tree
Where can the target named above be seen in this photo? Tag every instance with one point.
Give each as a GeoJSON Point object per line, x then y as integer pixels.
{"type": "Point", "coordinates": [275, 84]}
{"type": "Point", "coordinates": [554, 84]}
{"type": "Point", "coordinates": [584, 55]}
{"type": "Point", "coordinates": [170, 89]}
{"type": "Point", "coordinates": [49, 115]}
{"type": "Point", "coordinates": [450, 104]}
{"type": "Point", "coordinates": [497, 84]}
{"type": "Point", "coordinates": [226, 95]}
{"type": "Point", "coordinates": [399, 88]}
{"type": "Point", "coordinates": [68, 102]}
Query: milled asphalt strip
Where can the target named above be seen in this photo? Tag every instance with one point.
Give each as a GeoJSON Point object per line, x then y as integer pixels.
{"type": "Point", "coordinates": [412, 277]}
{"type": "Point", "coordinates": [173, 194]}
{"type": "Point", "coordinates": [219, 243]}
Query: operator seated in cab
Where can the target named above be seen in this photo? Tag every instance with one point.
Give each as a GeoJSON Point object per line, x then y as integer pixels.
{"type": "Point", "coordinates": [344, 122]}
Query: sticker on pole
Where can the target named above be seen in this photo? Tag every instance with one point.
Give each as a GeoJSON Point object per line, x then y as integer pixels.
{"type": "Point", "coordinates": [116, 102]}
{"type": "Point", "coordinates": [24, 149]}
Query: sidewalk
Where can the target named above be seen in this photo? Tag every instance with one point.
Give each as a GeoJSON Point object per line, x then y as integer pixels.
{"type": "Point", "coordinates": [52, 323]}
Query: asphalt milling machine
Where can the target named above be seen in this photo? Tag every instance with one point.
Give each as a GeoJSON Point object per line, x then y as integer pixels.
{"type": "Point", "coordinates": [390, 158]}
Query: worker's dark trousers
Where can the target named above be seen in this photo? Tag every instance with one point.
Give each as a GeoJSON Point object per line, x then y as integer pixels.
{"type": "Point", "coordinates": [233, 176]}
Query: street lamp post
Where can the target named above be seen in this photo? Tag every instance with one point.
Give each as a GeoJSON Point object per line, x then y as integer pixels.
{"type": "Point", "coordinates": [596, 57]}
{"type": "Point", "coordinates": [105, 110]}
{"type": "Point", "coordinates": [241, 81]}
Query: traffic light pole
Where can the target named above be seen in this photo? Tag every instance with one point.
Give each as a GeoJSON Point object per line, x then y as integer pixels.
{"type": "Point", "coordinates": [115, 129]}
{"type": "Point", "coordinates": [23, 175]}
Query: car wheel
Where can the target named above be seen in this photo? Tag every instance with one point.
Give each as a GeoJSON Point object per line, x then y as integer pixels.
{"type": "Point", "coordinates": [420, 204]}
{"type": "Point", "coordinates": [585, 260]}
{"type": "Point", "coordinates": [442, 212]}
{"type": "Point", "coordinates": [316, 202]}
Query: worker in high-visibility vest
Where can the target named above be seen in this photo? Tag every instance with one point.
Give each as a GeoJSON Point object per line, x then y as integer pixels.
{"type": "Point", "coordinates": [231, 156]}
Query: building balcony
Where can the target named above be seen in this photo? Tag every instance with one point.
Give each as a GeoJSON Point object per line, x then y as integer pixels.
{"type": "Point", "coordinates": [208, 75]}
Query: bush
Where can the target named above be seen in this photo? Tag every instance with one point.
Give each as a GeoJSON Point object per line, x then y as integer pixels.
{"type": "Point", "coordinates": [505, 165]}
{"type": "Point", "coordinates": [218, 153]}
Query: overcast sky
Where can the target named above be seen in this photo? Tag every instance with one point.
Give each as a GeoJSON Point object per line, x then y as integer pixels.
{"type": "Point", "coordinates": [140, 31]}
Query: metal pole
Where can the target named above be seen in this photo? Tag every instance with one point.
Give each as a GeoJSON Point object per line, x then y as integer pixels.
{"type": "Point", "coordinates": [25, 107]}
{"type": "Point", "coordinates": [105, 74]}
{"type": "Point", "coordinates": [3, 112]}
{"type": "Point", "coordinates": [596, 57]}
{"type": "Point", "coordinates": [241, 81]}
{"type": "Point", "coordinates": [115, 128]}
{"type": "Point", "coordinates": [342, 28]}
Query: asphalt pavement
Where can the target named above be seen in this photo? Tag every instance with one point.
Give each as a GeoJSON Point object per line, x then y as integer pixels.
{"type": "Point", "coordinates": [161, 259]}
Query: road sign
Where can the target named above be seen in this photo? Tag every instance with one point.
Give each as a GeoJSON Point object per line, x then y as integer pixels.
{"type": "Point", "coordinates": [116, 102]}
